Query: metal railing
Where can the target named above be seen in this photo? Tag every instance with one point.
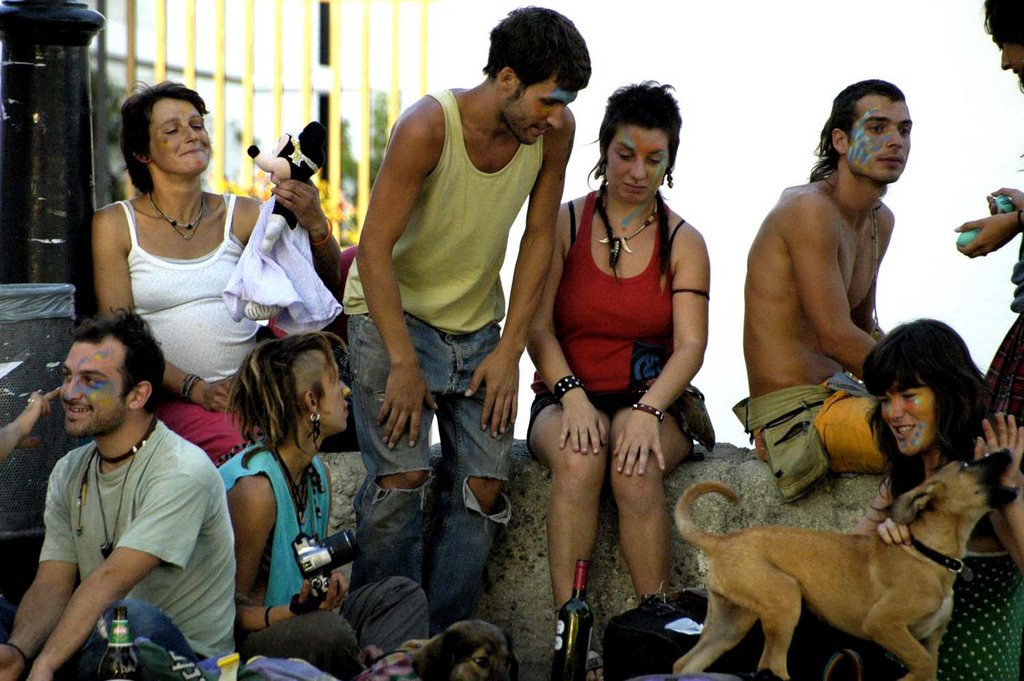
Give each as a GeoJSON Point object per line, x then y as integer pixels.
{"type": "Point", "coordinates": [315, 51]}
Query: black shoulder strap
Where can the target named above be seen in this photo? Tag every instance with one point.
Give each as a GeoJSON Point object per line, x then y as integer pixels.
{"type": "Point", "coordinates": [672, 237]}
{"type": "Point", "coordinates": [572, 224]}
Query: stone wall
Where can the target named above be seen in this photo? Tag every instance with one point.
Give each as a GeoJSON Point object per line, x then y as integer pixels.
{"type": "Point", "coordinates": [516, 589]}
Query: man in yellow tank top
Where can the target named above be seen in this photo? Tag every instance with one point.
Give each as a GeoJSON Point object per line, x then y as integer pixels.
{"type": "Point", "coordinates": [425, 301]}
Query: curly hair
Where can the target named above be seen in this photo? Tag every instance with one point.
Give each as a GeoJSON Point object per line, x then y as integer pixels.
{"type": "Point", "coordinates": [267, 390]}
{"type": "Point", "coordinates": [926, 353]}
{"type": "Point", "coordinates": [538, 44]}
{"type": "Point", "coordinates": [843, 116]}
{"type": "Point", "coordinates": [135, 117]}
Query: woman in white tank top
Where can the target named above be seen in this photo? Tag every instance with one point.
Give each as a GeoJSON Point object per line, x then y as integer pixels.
{"type": "Point", "coordinates": [168, 253]}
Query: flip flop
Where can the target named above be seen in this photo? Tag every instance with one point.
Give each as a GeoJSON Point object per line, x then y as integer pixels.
{"type": "Point", "coordinates": [595, 666]}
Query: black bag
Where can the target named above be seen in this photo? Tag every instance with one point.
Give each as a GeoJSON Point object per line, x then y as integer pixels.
{"type": "Point", "coordinates": [636, 643]}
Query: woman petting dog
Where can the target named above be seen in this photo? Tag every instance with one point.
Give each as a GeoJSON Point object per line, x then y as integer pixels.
{"type": "Point", "coordinates": [625, 311]}
{"type": "Point", "coordinates": [931, 410]}
{"type": "Point", "coordinates": [289, 396]}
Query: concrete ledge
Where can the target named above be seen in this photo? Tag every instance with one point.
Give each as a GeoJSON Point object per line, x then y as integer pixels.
{"type": "Point", "coordinates": [516, 589]}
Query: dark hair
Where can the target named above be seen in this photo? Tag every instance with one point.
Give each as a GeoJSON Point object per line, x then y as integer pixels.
{"type": "Point", "coordinates": [927, 353]}
{"type": "Point", "coordinates": [538, 44]}
{"type": "Point", "coordinates": [135, 117]}
{"type": "Point", "coordinates": [266, 392]}
{"type": "Point", "coordinates": [143, 358]}
{"type": "Point", "coordinates": [648, 105]}
{"type": "Point", "coordinates": [843, 116]}
{"type": "Point", "coordinates": [1004, 21]}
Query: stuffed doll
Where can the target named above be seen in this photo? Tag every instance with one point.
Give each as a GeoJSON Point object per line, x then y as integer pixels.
{"type": "Point", "coordinates": [296, 158]}
{"type": "Point", "coordinates": [275, 276]}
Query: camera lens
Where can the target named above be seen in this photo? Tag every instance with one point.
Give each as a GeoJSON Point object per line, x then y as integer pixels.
{"type": "Point", "coordinates": [342, 547]}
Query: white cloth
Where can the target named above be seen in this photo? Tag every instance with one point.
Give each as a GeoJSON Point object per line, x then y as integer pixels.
{"type": "Point", "coordinates": [285, 278]}
{"type": "Point", "coordinates": [182, 301]}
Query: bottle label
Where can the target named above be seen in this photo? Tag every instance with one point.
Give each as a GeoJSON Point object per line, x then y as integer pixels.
{"type": "Point", "coordinates": [119, 635]}
{"type": "Point", "coordinates": [558, 642]}
{"type": "Point", "coordinates": [560, 627]}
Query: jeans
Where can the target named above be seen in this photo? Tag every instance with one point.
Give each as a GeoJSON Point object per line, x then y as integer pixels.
{"type": "Point", "coordinates": [143, 620]}
{"type": "Point", "coordinates": [389, 522]}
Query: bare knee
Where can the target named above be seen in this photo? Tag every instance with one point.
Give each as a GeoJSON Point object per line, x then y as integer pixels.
{"type": "Point", "coordinates": [640, 492]}
{"type": "Point", "coordinates": [487, 492]}
{"type": "Point", "coordinates": [404, 480]}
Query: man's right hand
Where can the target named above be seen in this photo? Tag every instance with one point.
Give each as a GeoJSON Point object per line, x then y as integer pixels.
{"type": "Point", "coordinates": [12, 664]}
{"type": "Point", "coordinates": [213, 396]}
{"type": "Point", "coordinates": [405, 395]}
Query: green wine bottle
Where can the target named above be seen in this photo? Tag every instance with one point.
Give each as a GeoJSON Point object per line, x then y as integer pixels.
{"type": "Point", "coordinates": [572, 631]}
{"type": "Point", "coordinates": [121, 661]}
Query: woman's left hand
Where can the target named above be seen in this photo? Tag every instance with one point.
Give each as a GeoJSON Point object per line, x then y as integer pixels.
{"type": "Point", "coordinates": [639, 437]}
{"type": "Point", "coordinates": [336, 591]}
{"type": "Point", "coordinates": [303, 199]}
{"type": "Point", "coordinates": [1004, 434]}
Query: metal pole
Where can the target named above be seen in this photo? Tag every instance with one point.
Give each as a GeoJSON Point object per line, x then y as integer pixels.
{"type": "Point", "coordinates": [46, 164]}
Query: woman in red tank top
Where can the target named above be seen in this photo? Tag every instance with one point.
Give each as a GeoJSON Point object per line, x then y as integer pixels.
{"type": "Point", "coordinates": [617, 339]}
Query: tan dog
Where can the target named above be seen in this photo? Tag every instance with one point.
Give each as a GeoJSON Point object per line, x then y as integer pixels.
{"type": "Point", "coordinates": [893, 595]}
{"type": "Point", "coordinates": [471, 650]}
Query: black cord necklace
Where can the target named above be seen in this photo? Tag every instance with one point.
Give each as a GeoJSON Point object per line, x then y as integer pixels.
{"type": "Point", "coordinates": [617, 243]}
{"type": "Point", "coordinates": [189, 226]}
{"type": "Point", "coordinates": [107, 547]}
{"type": "Point", "coordinates": [299, 491]}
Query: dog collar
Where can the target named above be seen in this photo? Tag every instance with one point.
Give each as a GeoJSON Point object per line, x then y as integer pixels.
{"type": "Point", "coordinates": [951, 564]}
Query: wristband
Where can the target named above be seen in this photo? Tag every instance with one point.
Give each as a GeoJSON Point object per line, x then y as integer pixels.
{"type": "Point", "coordinates": [327, 236]}
{"type": "Point", "coordinates": [564, 385]}
{"type": "Point", "coordinates": [266, 616]}
{"type": "Point", "coordinates": [187, 385]}
{"type": "Point", "coordinates": [24, 657]}
{"type": "Point", "coordinates": [648, 409]}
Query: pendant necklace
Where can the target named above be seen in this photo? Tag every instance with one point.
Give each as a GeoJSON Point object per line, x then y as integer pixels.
{"type": "Point", "coordinates": [299, 492]}
{"type": "Point", "coordinates": [189, 226]}
{"type": "Point", "coordinates": [622, 242]}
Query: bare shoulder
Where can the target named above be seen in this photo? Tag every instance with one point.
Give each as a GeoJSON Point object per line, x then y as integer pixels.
{"type": "Point", "coordinates": [110, 228]}
{"type": "Point", "coordinates": [558, 141]}
{"type": "Point", "coordinates": [806, 212]}
{"type": "Point", "coordinates": [421, 124]}
{"type": "Point", "coordinates": [253, 495]}
{"type": "Point", "coordinates": [247, 212]}
{"type": "Point", "coordinates": [886, 219]}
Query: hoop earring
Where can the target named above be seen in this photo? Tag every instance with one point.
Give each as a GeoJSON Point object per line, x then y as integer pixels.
{"type": "Point", "coordinates": [315, 419]}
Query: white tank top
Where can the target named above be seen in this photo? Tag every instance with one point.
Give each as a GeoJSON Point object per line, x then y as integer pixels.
{"type": "Point", "coordinates": [182, 301]}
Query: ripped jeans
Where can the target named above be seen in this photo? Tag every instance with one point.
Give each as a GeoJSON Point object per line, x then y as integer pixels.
{"type": "Point", "coordinates": [389, 522]}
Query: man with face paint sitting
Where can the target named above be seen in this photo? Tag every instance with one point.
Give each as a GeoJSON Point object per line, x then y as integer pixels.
{"type": "Point", "coordinates": [138, 514]}
{"type": "Point", "coordinates": [425, 301]}
{"type": "Point", "coordinates": [810, 318]}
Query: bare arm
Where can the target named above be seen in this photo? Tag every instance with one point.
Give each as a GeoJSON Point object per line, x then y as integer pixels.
{"type": "Point", "coordinates": [38, 613]}
{"type": "Point", "coordinates": [253, 509]}
{"type": "Point", "coordinates": [412, 154]}
{"type": "Point", "coordinates": [581, 427]}
{"type": "Point", "coordinates": [112, 580]}
{"type": "Point", "coordinates": [16, 433]}
{"type": "Point", "coordinates": [813, 243]}
{"type": "Point", "coordinates": [500, 370]}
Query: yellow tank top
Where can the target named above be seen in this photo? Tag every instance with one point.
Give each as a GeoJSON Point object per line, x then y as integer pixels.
{"type": "Point", "coordinates": [449, 258]}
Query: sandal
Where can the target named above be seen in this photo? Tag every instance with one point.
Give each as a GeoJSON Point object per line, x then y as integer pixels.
{"type": "Point", "coordinates": [595, 666]}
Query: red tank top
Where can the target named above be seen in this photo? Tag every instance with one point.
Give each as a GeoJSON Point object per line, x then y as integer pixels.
{"type": "Point", "coordinates": [615, 333]}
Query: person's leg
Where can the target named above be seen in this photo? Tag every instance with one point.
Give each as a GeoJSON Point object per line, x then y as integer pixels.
{"type": "Point", "coordinates": [576, 480]}
{"type": "Point", "coordinates": [477, 466]}
{"type": "Point", "coordinates": [322, 638]}
{"type": "Point", "coordinates": [143, 620]}
{"type": "Point", "coordinates": [7, 610]}
{"type": "Point", "coordinates": [389, 504]}
{"type": "Point", "coordinates": [387, 613]}
{"type": "Point", "coordinates": [644, 525]}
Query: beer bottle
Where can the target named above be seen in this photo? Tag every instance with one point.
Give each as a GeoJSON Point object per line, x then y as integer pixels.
{"type": "Point", "coordinates": [121, 661]}
{"type": "Point", "coordinates": [572, 631]}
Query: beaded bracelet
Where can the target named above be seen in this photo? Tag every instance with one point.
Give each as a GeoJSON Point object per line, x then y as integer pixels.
{"type": "Point", "coordinates": [564, 385]}
{"type": "Point", "coordinates": [648, 409]}
{"type": "Point", "coordinates": [187, 385]}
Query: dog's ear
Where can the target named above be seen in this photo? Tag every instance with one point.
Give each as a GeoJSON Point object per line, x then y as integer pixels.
{"type": "Point", "coordinates": [513, 661]}
{"type": "Point", "coordinates": [433, 659]}
{"type": "Point", "coordinates": [910, 503]}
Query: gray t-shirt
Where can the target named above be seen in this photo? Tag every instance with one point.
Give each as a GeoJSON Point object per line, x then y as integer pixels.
{"type": "Point", "coordinates": [169, 502]}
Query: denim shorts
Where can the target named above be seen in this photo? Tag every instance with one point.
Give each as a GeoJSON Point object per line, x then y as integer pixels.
{"type": "Point", "coordinates": [448, 362]}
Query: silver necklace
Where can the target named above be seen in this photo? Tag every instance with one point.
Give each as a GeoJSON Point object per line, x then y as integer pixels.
{"type": "Point", "coordinates": [189, 227]}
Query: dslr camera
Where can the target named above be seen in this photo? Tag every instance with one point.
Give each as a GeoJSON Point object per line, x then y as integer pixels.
{"type": "Point", "coordinates": [316, 559]}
